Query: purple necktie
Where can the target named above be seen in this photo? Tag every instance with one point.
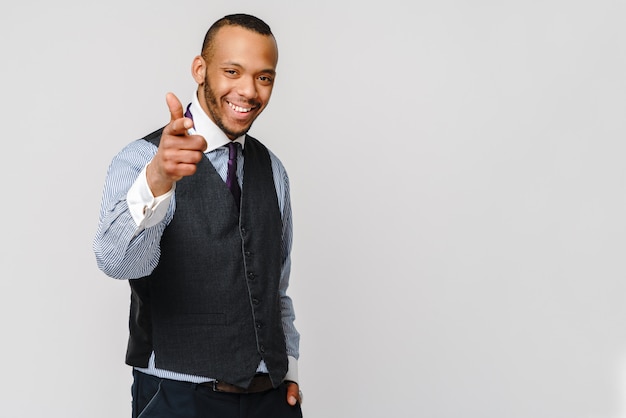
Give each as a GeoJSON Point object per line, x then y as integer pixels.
{"type": "Point", "coordinates": [231, 179]}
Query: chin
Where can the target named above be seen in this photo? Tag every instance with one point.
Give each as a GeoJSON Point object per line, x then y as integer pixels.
{"type": "Point", "coordinates": [238, 130]}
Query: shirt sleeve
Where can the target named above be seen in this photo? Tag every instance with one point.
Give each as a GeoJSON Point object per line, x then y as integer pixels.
{"type": "Point", "coordinates": [132, 221]}
{"type": "Point", "coordinates": [292, 336]}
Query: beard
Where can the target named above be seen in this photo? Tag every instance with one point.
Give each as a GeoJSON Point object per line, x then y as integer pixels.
{"type": "Point", "coordinates": [213, 106]}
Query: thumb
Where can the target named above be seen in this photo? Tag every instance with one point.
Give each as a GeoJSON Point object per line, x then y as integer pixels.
{"type": "Point", "coordinates": [174, 105]}
{"type": "Point", "coordinates": [293, 394]}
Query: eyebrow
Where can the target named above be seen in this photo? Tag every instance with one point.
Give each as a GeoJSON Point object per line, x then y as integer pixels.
{"type": "Point", "coordinates": [234, 64]}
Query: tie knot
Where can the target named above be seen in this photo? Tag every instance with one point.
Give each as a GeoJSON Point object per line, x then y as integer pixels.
{"type": "Point", "coordinates": [232, 150]}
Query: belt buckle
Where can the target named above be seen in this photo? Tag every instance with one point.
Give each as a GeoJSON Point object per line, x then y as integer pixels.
{"type": "Point", "coordinates": [214, 386]}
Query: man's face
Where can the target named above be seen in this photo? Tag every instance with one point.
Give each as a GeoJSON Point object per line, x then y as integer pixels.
{"type": "Point", "coordinates": [239, 79]}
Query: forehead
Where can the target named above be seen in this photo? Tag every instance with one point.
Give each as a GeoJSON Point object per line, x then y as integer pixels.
{"type": "Point", "coordinates": [234, 44]}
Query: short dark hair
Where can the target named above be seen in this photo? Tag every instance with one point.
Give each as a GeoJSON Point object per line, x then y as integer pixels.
{"type": "Point", "coordinates": [246, 21]}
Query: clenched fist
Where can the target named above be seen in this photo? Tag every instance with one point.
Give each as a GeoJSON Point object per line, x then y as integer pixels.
{"type": "Point", "coordinates": [178, 151]}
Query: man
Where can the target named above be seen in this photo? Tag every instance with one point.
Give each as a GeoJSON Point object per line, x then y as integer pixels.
{"type": "Point", "coordinates": [197, 216]}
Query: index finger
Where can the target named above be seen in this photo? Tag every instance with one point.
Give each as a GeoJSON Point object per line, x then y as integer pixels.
{"type": "Point", "coordinates": [174, 105]}
{"type": "Point", "coordinates": [178, 124]}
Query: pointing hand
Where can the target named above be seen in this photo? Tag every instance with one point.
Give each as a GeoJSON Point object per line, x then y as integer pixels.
{"type": "Point", "coordinates": [178, 151]}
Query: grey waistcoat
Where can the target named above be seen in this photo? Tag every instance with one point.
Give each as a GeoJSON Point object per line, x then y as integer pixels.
{"type": "Point", "coordinates": [211, 307]}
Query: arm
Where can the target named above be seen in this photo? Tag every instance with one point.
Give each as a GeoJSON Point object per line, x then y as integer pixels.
{"type": "Point", "coordinates": [292, 337]}
{"type": "Point", "coordinates": [127, 241]}
{"type": "Point", "coordinates": [132, 220]}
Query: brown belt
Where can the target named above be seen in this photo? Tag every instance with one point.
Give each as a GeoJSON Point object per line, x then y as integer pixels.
{"type": "Point", "coordinates": [260, 383]}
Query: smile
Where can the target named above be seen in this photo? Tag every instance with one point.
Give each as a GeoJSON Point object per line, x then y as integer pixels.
{"type": "Point", "coordinates": [239, 108]}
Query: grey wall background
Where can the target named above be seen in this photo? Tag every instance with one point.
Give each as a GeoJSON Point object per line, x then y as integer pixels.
{"type": "Point", "coordinates": [478, 271]}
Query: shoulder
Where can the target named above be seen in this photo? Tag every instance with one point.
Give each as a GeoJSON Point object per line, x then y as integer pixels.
{"type": "Point", "coordinates": [137, 153]}
{"type": "Point", "coordinates": [154, 137]}
{"type": "Point", "coordinates": [277, 165]}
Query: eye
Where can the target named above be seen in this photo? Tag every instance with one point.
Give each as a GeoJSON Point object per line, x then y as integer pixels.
{"type": "Point", "coordinates": [230, 73]}
{"type": "Point", "coordinates": [266, 80]}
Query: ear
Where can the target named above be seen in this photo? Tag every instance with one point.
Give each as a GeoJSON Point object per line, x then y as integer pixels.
{"type": "Point", "coordinates": [198, 69]}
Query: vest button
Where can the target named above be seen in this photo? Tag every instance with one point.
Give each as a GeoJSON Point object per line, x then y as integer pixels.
{"type": "Point", "coordinates": [262, 348]}
{"type": "Point", "coordinates": [251, 276]}
{"type": "Point", "coordinates": [255, 301]}
{"type": "Point", "coordinates": [259, 325]}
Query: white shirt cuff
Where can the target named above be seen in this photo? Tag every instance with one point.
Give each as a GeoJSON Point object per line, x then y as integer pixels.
{"type": "Point", "coordinates": [292, 371]}
{"type": "Point", "coordinates": [146, 209]}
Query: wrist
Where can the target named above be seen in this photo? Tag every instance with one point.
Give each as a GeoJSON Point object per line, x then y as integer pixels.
{"type": "Point", "coordinates": [158, 184]}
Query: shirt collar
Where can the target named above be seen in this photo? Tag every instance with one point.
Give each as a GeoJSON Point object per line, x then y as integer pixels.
{"type": "Point", "coordinates": [204, 126]}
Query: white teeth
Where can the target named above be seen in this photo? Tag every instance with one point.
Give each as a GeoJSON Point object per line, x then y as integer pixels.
{"type": "Point", "coordinates": [239, 108]}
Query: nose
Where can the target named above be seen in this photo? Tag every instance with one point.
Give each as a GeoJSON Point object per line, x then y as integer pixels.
{"type": "Point", "coordinates": [247, 88]}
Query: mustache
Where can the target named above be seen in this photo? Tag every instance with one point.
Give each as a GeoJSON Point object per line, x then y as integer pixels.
{"type": "Point", "coordinates": [244, 101]}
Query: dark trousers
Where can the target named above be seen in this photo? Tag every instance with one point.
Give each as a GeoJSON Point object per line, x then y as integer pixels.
{"type": "Point", "coordinates": [154, 397]}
